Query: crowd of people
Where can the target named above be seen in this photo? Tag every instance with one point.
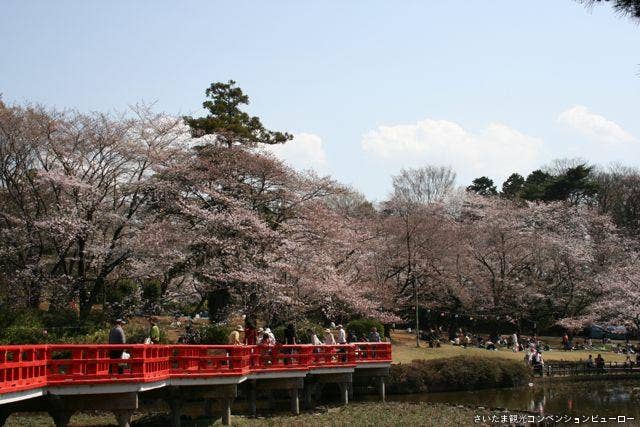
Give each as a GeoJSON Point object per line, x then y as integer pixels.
{"type": "Point", "coordinates": [332, 335]}
{"type": "Point", "coordinates": [250, 335]}
{"type": "Point", "coordinates": [462, 338]}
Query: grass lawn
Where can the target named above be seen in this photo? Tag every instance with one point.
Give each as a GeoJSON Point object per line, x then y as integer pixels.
{"type": "Point", "coordinates": [404, 351]}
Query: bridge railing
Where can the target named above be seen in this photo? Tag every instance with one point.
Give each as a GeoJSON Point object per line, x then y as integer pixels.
{"type": "Point", "coordinates": [581, 368]}
{"type": "Point", "coordinates": [34, 366]}
{"type": "Point", "coordinates": [79, 363]}
{"type": "Point", "coordinates": [209, 360]}
{"type": "Point", "coordinates": [23, 367]}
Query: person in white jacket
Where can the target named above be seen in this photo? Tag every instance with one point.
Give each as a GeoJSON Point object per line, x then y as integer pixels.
{"type": "Point", "coordinates": [314, 338]}
{"type": "Point", "coordinates": [342, 335]}
{"type": "Point", "coordinates": [272, 337]}
{"type": "Point", "coordinates": [328, 337]}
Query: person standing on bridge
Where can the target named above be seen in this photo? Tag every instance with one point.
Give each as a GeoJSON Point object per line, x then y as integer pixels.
{"type": "Point", "coordinates": [314, 337]}
{"type": "Point", "coordinates": [342, 335]}
{"type": "Point", "coordinates": [117, 336]}
{"type": "Point", "coordinates": [234, 336]}
{"type": "Point", "coordinates": [328, 337]}
{"type": "Point", "coordinates": [374, 336]}
{"type": "Point", "coordinates": [154, 331]}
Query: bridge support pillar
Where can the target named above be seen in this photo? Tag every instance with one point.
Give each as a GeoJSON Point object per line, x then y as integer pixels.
{"type": "Point", "coordinates": [3, 416]}
{"type": "Point", "coordinates": [309, 394]}
{"type": "Point", "coordinates": [295, 401]}
{"type": "Point", "coordinates": [226, 412]}
{"type": "Point", "coordinates": [344, 393]}
{"type": "Point", "coordinates": [61, 417]}
{"type": "Point", "coordinates": [175, 405]}
{"type": "Point", "coordinates": [208, 407]}
{"type": "Point", "coordinates": [252, 397]}
{"type": "Point", "coordinates": [382, 390]}
{"type": "Point", "coordinates": [123, 416]}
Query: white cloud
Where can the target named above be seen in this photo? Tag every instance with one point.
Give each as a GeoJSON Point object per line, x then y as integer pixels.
{"type": "Point", "coordinates": [594, 126]}
{"type": "Point", "coordinates": [496, 151]}
{"type": "Point", "coordinates": [304, 151]}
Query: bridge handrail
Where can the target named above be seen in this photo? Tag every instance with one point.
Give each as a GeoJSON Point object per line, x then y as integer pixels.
{"type": "Point", "coordinates": [581, 368]}
{"type": "Point", "coordinates": [25, 367]}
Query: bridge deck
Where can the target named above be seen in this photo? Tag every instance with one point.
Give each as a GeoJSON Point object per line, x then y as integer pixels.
{"type": "Point", "coordinates": [28, 371]}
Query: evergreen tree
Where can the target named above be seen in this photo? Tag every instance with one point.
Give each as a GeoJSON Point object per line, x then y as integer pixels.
{"type": "Point", "coordinates": [512, 187]}
{"type": "Point", "coordinates": [483, 186]}
{"type": "Point", "coordinates": [575, 185]}
{"type": "Point", "coordinates": [624, 7]}
{"type": "Point", "coordinates": [228, 122]}
{"type": "Point", "coordinates": [535, 185]}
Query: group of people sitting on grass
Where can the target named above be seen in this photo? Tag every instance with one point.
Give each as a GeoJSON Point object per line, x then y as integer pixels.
{"type": "Point", "coordinates": [265, 337]}
{"type": "Point", "coordinates": [466, 339]}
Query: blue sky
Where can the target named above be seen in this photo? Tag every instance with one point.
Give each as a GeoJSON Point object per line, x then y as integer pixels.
{"type": "Point", "coordinates": [368, 87]}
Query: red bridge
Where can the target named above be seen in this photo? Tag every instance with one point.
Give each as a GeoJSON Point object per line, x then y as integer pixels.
{"type": "Point", "coordinates": [63, 379]}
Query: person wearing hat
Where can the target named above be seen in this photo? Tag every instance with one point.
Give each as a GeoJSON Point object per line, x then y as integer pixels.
{"type": "Point", "coordinates": [342, 335]}
{"type": "Point", "coordinates": [328, 337]}
{"type": "Point", "coordinates": [272, 337]}
{"type": "Point", "coordinates": [314, 337]}
{"type": "Point", "coordinates": [234, 336]}
{"type": "Point", "coordinates": [154, 331]}
{"type": "Point", "coordinates": [342, 339]}
{"type": "Point", "coordinates": [117, 336]}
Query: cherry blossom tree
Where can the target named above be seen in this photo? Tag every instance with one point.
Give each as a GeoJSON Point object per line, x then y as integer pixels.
{"type": "Point", "coordinates": [72, 185]}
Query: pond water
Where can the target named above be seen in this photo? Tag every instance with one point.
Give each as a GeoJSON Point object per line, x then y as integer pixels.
{"type": "Point", "coordinates": [599, 398]}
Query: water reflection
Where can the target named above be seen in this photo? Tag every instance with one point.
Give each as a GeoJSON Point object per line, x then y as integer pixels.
{"type": "Point", "coordinates": [580, 398]}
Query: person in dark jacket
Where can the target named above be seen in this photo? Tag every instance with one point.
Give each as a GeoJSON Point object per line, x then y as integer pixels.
{"type": "Point", "coordinates": [289, 339]}
{"type": "Point", "coordinates": [374, 336]}
{"type": "Point", "coordinates": [290, 334]}
{"type": "Point", "coordinates": [117, 336]}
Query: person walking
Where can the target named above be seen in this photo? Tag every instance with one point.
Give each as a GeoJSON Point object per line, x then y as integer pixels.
{"type": "Point", "coordinates": [290, 334]}
{"type": "Point", "coordinates": [328, 337]}
{"type": "Point", "coordinates": [342, 339]}
{"type": "Point", "coordinates": [600, 363]}
{"type": "Point", "coordinates": [314, 337]}
{"type": "Point", "coordinates": [272, 337]}
{"type": "Point", "coordinates": [289, 339]}
{"type": "Point", "coordinates": [117, 337]}
{"type": "Point", "coordinates": [374, 336]}
{"type": "Point", "coordinates": [342, 335]}
{"type": "Point", "coordinates": [514, 340]}
{"type": "Point", "coordinates": [250, 333]}
{"type": "Point", "coordinates": [154, 331]}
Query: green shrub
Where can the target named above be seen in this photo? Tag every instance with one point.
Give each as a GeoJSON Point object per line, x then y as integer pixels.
{"type": "Point", "coordinates": [208, 334]}
{"type": "Point", "coordinates": [456, 373]}
{"type": "Point", "coordinates": [151, 291]}
{"type": "Point", "coordinates": [16, 334]}
{"type": "Point", "coordinates": [101, 336]}
{"type": "Point", "coordinates": [23, 327]}
{"type": "Point", "coordinates": [214, 334]}
{"type": "Point", "coordinates": [362, 327]}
